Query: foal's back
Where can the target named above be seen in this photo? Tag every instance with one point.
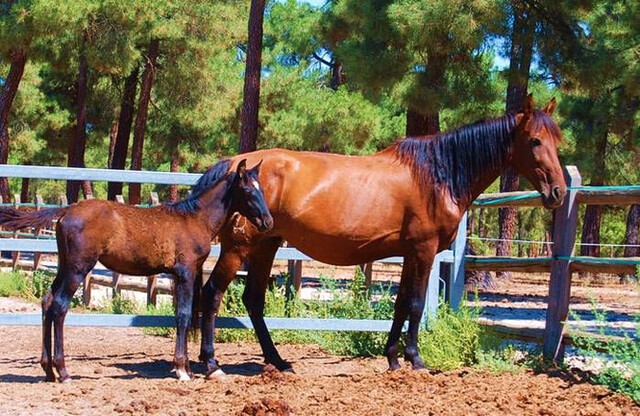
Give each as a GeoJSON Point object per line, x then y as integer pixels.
{"type": "Point", "coordinates": [128, 239]}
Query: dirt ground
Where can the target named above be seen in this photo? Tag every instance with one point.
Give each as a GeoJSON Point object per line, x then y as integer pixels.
{"type": "Point", "coordinates": [124, 371]}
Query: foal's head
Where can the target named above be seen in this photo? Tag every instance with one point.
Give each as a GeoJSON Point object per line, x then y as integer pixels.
{"type": "Point", "coordinates": [247, 196]}
{"type": "Point", "coordinates": [535, 154]}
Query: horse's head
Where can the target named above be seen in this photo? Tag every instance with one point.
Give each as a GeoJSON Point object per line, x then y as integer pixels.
{"type": "Point", "coordinates": [535, 154]}
{"type": "Point", "coordinates": [249, 198]}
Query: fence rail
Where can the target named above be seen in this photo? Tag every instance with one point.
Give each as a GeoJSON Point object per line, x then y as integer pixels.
{"type": "Point", "coordinates": [453, 282]}
{"type": "Point", "coordinates": [561, 264]}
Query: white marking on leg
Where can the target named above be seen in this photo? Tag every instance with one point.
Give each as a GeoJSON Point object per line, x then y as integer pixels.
{"type": "Point", "coordinates": [182, 375]}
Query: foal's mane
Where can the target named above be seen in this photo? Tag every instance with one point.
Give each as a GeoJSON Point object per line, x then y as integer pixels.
{"type": "Point", "coordinates": [208, 180]}
{"type": "Point", "coordinates": [453, 160]}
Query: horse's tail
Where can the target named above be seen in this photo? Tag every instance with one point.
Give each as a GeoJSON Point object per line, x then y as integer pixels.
{"type": "Point", "coordinates": [14, 219]}
{"type": "Point", "coordinates": [195, 306]}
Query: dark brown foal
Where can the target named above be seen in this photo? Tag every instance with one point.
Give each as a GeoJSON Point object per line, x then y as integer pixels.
{"type": "Point", "coordinates": [174, 238]}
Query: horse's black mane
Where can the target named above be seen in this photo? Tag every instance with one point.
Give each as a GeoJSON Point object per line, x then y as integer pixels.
{"type": "Point", "coordinates": [455, 159]}
{"type": "Point", "coordinates": [209, 179]}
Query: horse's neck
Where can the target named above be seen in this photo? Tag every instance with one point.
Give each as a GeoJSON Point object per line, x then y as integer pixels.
{"type": "Point", "coordinates": [215, 207]}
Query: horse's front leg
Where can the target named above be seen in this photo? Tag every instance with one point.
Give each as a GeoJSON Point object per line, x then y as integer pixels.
{"type": "Point", "coordinates": [260, 263]}
{"type": "Point", "coordinates": [401, 311]}
{"type": "Point", "coordinates": [212, 292]}
{"type": "Point", "coordinates": [46, 361]}
{"type": "Point", "coordinates": [185, 277]}
{"type": "Point", "coordinates": [418, 289]}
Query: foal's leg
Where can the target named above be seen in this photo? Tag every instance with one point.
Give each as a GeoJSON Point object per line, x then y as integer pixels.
{"type": "Point", "coordinates": [260, 262]}
{"type": "Point", "coordinates": [46, 360]}
{"type": "Point", "coordinates": [184, 295]}
{"type": "Point", "coordinates": [401, 311]}
{"type": "Point", "coordinates": [57, 312]}
{"type": "Point", "coordinates": [223, 273]}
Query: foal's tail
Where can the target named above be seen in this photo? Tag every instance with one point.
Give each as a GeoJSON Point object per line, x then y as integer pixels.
{"type": "Point", "coordinates": [14, 219]}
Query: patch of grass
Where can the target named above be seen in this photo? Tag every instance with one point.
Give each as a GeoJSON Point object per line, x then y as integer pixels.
{"type": "Point", "coordinates": [163, 309]}
{"type": "Point", "coordinates": [13, 283]}
{"type": "Point", "coordinates": [454, 338]}
{"type": "Point", "coordinates": [619, 358]}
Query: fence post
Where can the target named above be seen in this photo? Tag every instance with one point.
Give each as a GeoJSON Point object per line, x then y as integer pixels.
{"type": "Point", "coordinates": [15, 258]}
{"type": "Point", "coordinates": [37, 256]}
{"type": "Point", "coordinates": [432, 296]}
{"type": "Point", "coordinates": [154, 198]}
{"type": "Point", "coordinates": [367, 271]}
{"type": "Point", "coordinates": [565, 222]}
{"type": "Point", "coordinates": [456, 277]}
{"type": "Point", "coordinates": [152, 290]}
{"type": "Point", "coordinates": [295, 276]}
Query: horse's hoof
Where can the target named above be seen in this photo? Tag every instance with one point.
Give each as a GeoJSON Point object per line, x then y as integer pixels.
{"type": "Point", "coordinates": [217, 375]}
{"type": "Point", "coordinates": [182, 375]}
{"type": "Point", "coordinates": [66, 380]}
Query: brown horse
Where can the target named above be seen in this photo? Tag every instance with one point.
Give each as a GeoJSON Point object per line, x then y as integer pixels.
{"type": "Point", "coordinates": [406, 200]}
{"type": "Point", "coordinates": [174, 238]}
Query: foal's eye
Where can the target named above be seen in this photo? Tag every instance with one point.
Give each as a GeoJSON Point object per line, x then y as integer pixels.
{"type": "Point", "coordinates": [535, 142]}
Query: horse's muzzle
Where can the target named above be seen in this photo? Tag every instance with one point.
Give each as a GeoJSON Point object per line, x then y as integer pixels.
{"type": "Point", "coordinates": [554, 199]}
{"type": "Point", "coordinates": [265, 224]}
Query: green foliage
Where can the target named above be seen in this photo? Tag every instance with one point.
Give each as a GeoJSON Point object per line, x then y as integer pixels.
{"type": "Point", "coordinates": [619, 359]}
{"type": "Point", "coordinates": [163, 309]}
{"type": "Point", "coordinates": [13, 283]}
{"type": "Point", "coordinates": [121, 306]}
{"type": "Point", "coordinates": [452, 339]}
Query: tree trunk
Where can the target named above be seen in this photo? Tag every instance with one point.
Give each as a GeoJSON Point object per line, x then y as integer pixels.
{"type": "Point", "coordinates": [24, 188]}
{"type": "Point", "coordinates": [113, 132]}
{"type": "Point", "coordinates": [78, 138]}
{"type": "Point", "coordinates": [420, 125]}
{"type": "Point", "coordinates": [593, 213]}
{"type": "Point", "coordinates": [251, 104]}
{"type": "Point", "coordinates": [336, 75]}
{"type": "Point", "coordinates": [8, 93]}
{"type": "Point", "coordinates": [121, 143]}
{"type": "Point", "coordinates": [633, 231]}
{"type": "Point", "coordinates": [518, 80]}
{"type": "Point", "coordinates": [141, 118]}
{"type": "Point", "coordinates": [175, 163]}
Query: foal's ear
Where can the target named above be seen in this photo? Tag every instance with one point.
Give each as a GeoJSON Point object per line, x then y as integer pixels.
{"type": "Point", "coordinates": [257, 167]}
{"type": "Point", "coordinates": [528, 106]}
{"type": "Point", "coordinates": [242, 168]}
{"type": "Point", "coordinates": [550, 107]}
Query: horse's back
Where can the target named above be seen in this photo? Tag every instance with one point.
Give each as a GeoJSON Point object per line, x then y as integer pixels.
{"type": "Point", "coordinates": [340, 209]}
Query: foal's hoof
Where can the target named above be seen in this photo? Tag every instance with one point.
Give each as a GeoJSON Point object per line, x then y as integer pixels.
{"type": "Point", "coordinates": [183, 375]}
{"type": "Point", "coordinates": [217, 375]}
{"type": "Point", "coordinates": [66, 380]}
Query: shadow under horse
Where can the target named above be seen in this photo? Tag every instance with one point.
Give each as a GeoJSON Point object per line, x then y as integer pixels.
{"type": "Point", "coordinates": [406, 200]}
{"type": "Point", "coordinates": [172, 238]}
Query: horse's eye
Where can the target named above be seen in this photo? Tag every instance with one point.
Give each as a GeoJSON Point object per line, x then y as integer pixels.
{"type": "Point", "coordinates": [535, 142]}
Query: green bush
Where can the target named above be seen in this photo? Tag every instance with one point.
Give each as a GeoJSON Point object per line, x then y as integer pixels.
{"type": "Point", "coordinates": [13, 283]}
{"type": "Point", "coordinates": [620, 357]}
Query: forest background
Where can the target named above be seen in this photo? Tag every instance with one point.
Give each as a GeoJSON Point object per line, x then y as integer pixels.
{"type": "Point", "coordinates": [160, 86]}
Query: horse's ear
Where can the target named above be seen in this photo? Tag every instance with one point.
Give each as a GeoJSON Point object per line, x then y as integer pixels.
{"type": "Point", "coordinates": [528, 106]}
{"type": "Point", "coordinates": [242, 168]}
{"type": "Point", "coordinates": [550, 107]}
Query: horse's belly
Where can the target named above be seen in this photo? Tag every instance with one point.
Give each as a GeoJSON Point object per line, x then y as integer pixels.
{"type": "Point", "coordinates": [343, 250]}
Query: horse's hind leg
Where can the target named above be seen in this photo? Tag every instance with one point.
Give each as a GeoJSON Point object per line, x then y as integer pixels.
{"type": "Point", "coordinates": [260, 262]}
{"type": "Point", "coordinates": [184, 295]}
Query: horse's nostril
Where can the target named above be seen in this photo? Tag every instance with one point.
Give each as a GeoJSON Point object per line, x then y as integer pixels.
{"type": "Point", "coordinates": [556, 193]}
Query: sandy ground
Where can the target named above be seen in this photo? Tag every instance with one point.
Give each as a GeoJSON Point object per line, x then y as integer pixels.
{"type": "Point", "coordinates": [124, 371]}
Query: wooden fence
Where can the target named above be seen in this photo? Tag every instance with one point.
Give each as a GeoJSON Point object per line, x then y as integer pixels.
{"type": "Point", "coordinates": [561, 264]}
{"type": "Point", "coordinates": [452, 284]}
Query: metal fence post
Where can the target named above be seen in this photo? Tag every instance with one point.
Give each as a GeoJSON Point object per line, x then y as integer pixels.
{"type": "Point", "coordinates": [565, 222]}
